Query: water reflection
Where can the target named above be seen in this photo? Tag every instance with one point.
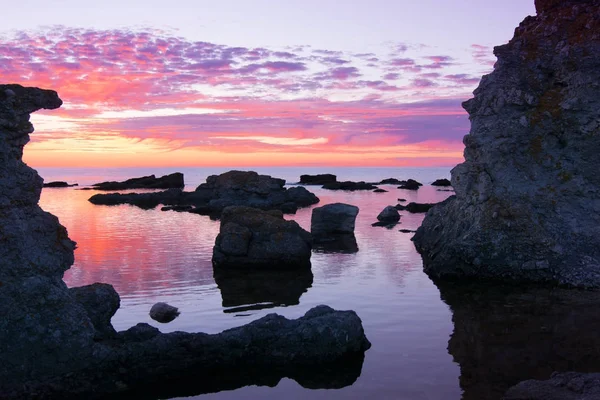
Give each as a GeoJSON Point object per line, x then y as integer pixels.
{"type": "Point", "coordinates": [196, 381]}
{"type": "Point", "coordinates": [342, 243]}
{"type": "Point", "coordinates": [244, 290]}
{"type": "Point", "coordinates": [504, 335]}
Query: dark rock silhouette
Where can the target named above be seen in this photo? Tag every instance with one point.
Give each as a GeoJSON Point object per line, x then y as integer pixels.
{"type": "Point", "coordinates": [506, 333]}
{"type": "Point", "coordinates": [410, 184]}
{"type": "Point", "coordinates": [320, 179]}
{"type": "Point", "coordinates": [163, 312]}
{"type": "Point", "coordinates": [349, 186]}
{"type": "Point", "coordinates": [233, 188]}
{"type": "Point", "coordinates": [259, 289]}
{"type": "Point", "coordinates": [250, 238]}
{"type": "Point", "coordinates": [415, 207]}
{"type": "Point", "coordinates": [565, 386]}
{"type": "Point", "coordinates": [391, 181]}
{"type": "Point", "coordinates": [171, 181]}
{"type": "Point", "coordinates": [332, 227]}
{"type": "Point", "coordinates": [441, 182]}
{"type": "Point", "coordinates": [380, 191]}
{"type": "Point", "coordinates": [389, 214]}
{"type": "Point", "coordinates": [527, 205]}
{"type": "Point", "coordinates": [59, 184]}
{"type": "Point", "coordinates": [59, 343]}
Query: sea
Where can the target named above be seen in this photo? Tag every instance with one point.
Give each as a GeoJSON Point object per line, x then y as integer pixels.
{"type": "Point", "coordinates": [428, 342]}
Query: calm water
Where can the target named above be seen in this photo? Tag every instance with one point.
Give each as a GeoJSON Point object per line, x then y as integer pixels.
{"type": "Point", "coordinates": [150, 256]}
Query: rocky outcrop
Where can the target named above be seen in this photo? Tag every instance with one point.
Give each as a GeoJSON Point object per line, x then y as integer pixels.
{"type": "Point", "coordinates": [250, 238]}
{"type": "Point", "coordinates": [560, 386]}
{"type": "Point", "coordinates": [506, 333]}
{"type": "Point", "coordinates": [350, 186]}
{"type": "Point", "coordinates": [59, 184]}
{"type": "Point", "coordinates": [441, 182]}
{"type": "Point", "coordinates": [59, 343]}
{"type": "Point", "coordinates": [410, 184]}
{"type": "Point", "coordinates": [391, 181]}
{"type": "Point", "coordinates": [233, 188]}
{"type": "Point", "coordinates": [332, 227]}
{"type": "Point", "coordinates": [527, 204]}
{"type": "Point", "coordinates": [171, 181]}
{"type": "Point", "coordinates": [320, 179]}
{"type": "Point", "coordinates": [415, 207]}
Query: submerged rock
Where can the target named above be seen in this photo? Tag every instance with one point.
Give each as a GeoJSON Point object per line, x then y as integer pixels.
{"type": "Point", "coordinates": [527, 204]}
{"type": "Point", "coordinates": [59, 343]}
{"type": "Point", "coordinates": [163, 312]}
{"type": "Point", "coordinates": [171, 181]}
{"type": "Point", "coordinates": [380, 191]}
{"type": "Point", "coordinates": [250, 238]}
{"type": "Point", "coordinates": [320, 179]}
{"type": "Point", "coordinates": [415, 207]}
{"type": "Point", "coordinates": [350, 186]}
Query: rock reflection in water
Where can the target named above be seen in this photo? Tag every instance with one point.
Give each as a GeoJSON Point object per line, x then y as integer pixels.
{"type": "Point", "coordinates": [243, 290]}
{"type": "Point", "coordinates": [345, 244]}
{"type": "Point", "coordinates": [504, 335]}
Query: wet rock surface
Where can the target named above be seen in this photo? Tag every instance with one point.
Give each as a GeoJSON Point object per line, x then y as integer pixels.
{"type": "Point", "coordinates": [527, 204]}
{"type": "Point", "coordinates": [58, 342]}
{"type": "Point", "coordinates": [250, 238]}
{"type": "Point", "coordinates": [233, 188]}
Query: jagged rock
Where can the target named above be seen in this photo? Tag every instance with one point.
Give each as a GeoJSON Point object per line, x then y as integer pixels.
{"type": "Point", "coordinates": [163, 312]}
{"type": "Point", "coordinates": [59, 343]}
{"type": "Point", "coordinates": [320, 179]}
{"type": "Point", "coordinates": [560, 386]}
{"type": "Point", "coordinates": [171, 181]}
{"type": "Point", "coordinates": [527, 204]}
{"type": "Point", "coordinates": [410, 184]}
{"type": "Point", "coordinates": [250, 238]}
{"type": "Point", "coordinates": [59, 184]}
{"type": "Point", "coordinates": [415, 207]}
{"type": "Point", "coordinates": [233, 188]}
{"type": "Point", "coordinates": [441, 182]}
{"type": "Point", "coordinates": [389, 214]}
{"type": "Point", "coordinates": [350, 186]}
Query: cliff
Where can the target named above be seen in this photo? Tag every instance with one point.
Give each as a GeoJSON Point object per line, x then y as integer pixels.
{"type": "Point", "coordinates": [527, 203]}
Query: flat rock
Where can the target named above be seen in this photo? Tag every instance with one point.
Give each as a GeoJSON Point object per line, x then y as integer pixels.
{"type": "Point", "coordinates": [59, 184]}
{"type": "Point", "coordinates": [349, 186]}
{"type": "Point", "coordinates": [320, 179]}
{"type": "Point", "coordinates": [171, 181]}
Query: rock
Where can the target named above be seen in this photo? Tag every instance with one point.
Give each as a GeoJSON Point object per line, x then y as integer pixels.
{"type": "Point", "coordinates": [163, 312]}
{"type": "Point", "coordinates": [406, 231]}
{"type": "Point", "coordinates": [392, 181]}
{"type": "Point", "coordinates": [59, 184]}
{"type": "Point", "coordinates": [100, 301]}
{"type": "Point", "coordinates": [58, 342]}
{"type": "Point", "coordinates": [250, 238]}
{"type": "Point", "coordinates": [401, 199]}
{"type": "Point", "coordinates": [441, 182]}
{"type": "Point", "coordinates": [385, 224]}
{"type": "Point", "coordinates": [177, 208]}
{"type": "Point", "coordinates": [415, 207]}
{"type": "Point", "coordinates": [320, 179]}
{"type": "Point", "coordinates": [380, 191]}
{"type": "Point", "coordinates": [259, 289]}
{"type": "Point", "coordinates": [332, 219]}
{"type": "Point", "coordinates": [410, 184]}
{"type": "Point", "coordinates": [233, 188]}
{"type": "Point", "coordinates": [332, 227]}
{"type": "Point", "coordinates": [527, 206]}
{"type": "Point", "coordinates": [560, 386]}
{"type": "Point", "coordinates": [171, 181]}
{"type": "Point", "coordinates": [350, 186]}
{"type": "Point", "coordinates": [389, 214]}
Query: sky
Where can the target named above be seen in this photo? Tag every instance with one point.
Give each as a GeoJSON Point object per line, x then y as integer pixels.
{"type": "Point", "coordinates": [253, 83]}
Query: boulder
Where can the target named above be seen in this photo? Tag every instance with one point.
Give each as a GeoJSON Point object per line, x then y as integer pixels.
{"type": "Point", "coordinates": [59, 184]}
{"type": "Point", "coordinates": [320, 179]}
{"type": "Point", "coordinates": [389, 214]}
{"type": "Point", "coordinates": [100, 301]}
{"type": "Point", "coordinates": [441, 182]}
{"type": "Point", "coordinates": [415, 207]}
{"type": "Point", "coordinates": [410, 184]}
{"type": "Point", "coordinates": [332, 219]}
{"type": "Point", "coordinates": [163, 312]}
{"type": "Point", "coordinates": [171, 181]}
{"type": "Point", "coordinates": [300, 197]}
{"type": "Point", "coordinates": [250, 238]}
{"type": "Point", "coordinates": [527, 207]}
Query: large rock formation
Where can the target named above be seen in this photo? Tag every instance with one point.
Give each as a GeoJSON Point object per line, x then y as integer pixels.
{"type": "Point", "coordinates": [527, 202]}
{"type": "Point", "coordinates": [171, 181]}
{"type": "Point", "coordinates": [59, 343]}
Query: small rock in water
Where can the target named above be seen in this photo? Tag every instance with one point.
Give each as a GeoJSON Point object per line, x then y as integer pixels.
{"type": "Point", "coordinates": [389, 214]}
{"type": "Point", "coordinates": [163, 313]}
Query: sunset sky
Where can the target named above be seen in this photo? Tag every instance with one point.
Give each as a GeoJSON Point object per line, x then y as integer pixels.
{"type": "Point", "coordinates": [253, 83]}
